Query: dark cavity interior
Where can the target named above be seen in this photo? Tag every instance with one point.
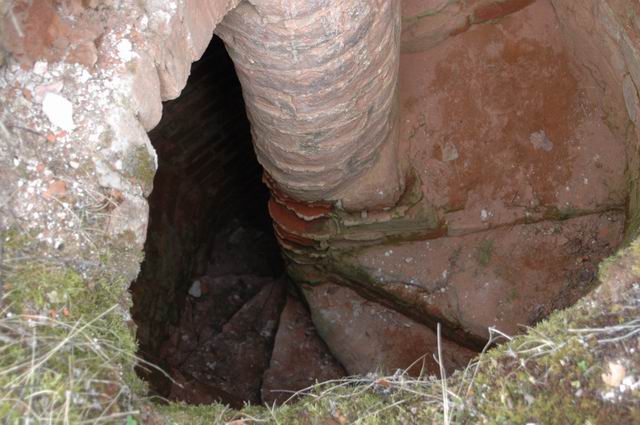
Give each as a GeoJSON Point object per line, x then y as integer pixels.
{"type": "Point", "coordinates": [212, 290]}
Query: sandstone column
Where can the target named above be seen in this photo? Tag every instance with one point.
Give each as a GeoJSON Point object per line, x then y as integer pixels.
{"type": "Point", "coordinates": [320, 81]}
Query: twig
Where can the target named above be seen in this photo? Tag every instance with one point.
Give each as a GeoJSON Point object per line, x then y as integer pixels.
{"type": "Point", "coordinates": [443, 378]}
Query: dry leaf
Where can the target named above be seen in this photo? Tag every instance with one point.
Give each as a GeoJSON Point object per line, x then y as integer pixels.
{"type": "Point", "coordinates": [615, 376]}
{"type": "Point", "coordinates": [383, 382]}
{"type": "Point", "coordinates": [56, 188]}
{"type": "Point", "coordinates": [338, 416]}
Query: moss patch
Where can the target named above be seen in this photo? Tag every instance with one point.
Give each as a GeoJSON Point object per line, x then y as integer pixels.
{"type": "Point", "coordinates": [141, 166]}
{"type": "Point", "coordinates": [67, 354]}
{"type": "Point", "coordinates": [484, 252]}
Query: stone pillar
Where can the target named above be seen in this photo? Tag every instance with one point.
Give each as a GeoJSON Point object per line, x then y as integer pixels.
{"type": "Point", "coordinates": [319, 79]}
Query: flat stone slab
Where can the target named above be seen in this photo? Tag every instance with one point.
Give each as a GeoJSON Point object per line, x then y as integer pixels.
{"type": "Point", "coordinates": [299, 358]}
{"type": "Point", "coordinates": [234, 360]}
{"type": "Point", "coordinates": [368, 337]}
{"type": "Point", "coordinates": [507, 277]}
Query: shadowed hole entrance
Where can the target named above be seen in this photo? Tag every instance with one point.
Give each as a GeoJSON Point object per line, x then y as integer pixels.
{"type": "Point", "coordinates": [518, 171]}
{"type": "Point", "coordinates": [212, 292]}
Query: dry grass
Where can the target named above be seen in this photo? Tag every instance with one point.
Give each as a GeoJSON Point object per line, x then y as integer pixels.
{"type": "Point", "coordinates": [553, 374]}
{"type": "Point", "coordinates": [54, 371]}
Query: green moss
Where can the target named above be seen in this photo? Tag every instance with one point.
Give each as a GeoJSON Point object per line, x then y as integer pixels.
{"type": "Point", "coordinates": [68, 354]}
{"type": "Point", "coordinates": [632, 225]}
{"type": "Point", "coordinates": [552, 375]}
{"type": "Point", "coordinates": [141, 166]}
{"type": "Point", "coordinates": [513, 294]}
{"type": "Point", "coordinates": [484, 252]}
{"type": "Point", "coordinates": [534, 377]}
{"type": "Point", "coordinates": [327, 404]}
{"type": "Point", "coordinates": [14, 240]}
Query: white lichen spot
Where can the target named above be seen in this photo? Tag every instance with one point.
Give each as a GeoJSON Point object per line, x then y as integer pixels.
{"type": "Point", "coordinates": [485, 215]}
{"type": "Point", "coordinates": [449, 152]}
{"type": "Point", "coordinates": [40, 68]}
{"type": "Point", "coordinates": [59, 111]}
{"type": "Point", "coordinates": [539, 140]}
{"type": "Point", "coordinates": [125, 50]}
{"type": "Point", "coordinates": [84, 76]}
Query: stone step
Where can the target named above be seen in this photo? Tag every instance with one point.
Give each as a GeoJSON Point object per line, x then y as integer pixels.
{"type": "Point", "coordinates": [299, 359]}
{"type": "Point", "coordinates": [506, 278]}
{"type": "Point", "coordinates": [234, 360]}
{"type": "Point", "coordinates": [368, 337]}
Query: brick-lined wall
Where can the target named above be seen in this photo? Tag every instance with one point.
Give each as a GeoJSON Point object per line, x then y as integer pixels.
{"type": "Point", "coordinates": [207, 173]}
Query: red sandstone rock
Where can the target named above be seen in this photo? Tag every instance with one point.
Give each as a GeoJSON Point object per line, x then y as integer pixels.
{"type": "Point", "coordinates": [305, 210]}
{"type": "Point", "coordinates": [600, 36]}
{"type": "Point", "coordinates": [499, 9]}
{"type": "Point", "coordinates": [507, 278]}
{"type": "Point", "coordinates": [595, 34]}
{"type": "Point", "coordinates": [42, 30]}
{"type": "Point", "coordinates": [299, 357]}
{"type": "Point", "coordinates": [291, 222]}
{"type": "Point", "coordinates": [56, 189]}
{"type": "Point", "coordinates": [84, 54]}
{"type": "Point", "coordinates": [426, 24]}
{"type": "Point", "coordinates": [368, 337]}
{"type": "Point", "coordinates": [501, 130]}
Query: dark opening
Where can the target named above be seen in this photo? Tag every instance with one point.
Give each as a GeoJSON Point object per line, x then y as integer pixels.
{"type": "Point", "coordinates": [212, 289]}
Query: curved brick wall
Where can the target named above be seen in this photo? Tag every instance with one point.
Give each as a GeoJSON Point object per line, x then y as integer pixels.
{"type": "Point", "coordinates": [319, 79]}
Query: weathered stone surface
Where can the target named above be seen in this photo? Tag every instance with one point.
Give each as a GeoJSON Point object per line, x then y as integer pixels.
{"type": "Point", "coordinates": [506, 278]}
{"type": "Point", "coordinates": [425, 24]}
{"type": "Point", "coordinates": [299, 358]}
{"type": "Point", "coordinates": [498, 9]}
{"type": "Point", "coordinates": [145, 91]}
{"type": "Point", "coordinates": [102, 59]}
{"type": "Point", "coordinates": [181, 31]}
{"type": "Point", "coordinates": [237, 357]}
{"type": "Point", "coordinates": [97, 157]}
{"type": "Point", "coordinates": [632, 101]}
{"type": "Point", "coordinates": [501, 129]}
{"type": "Point", "coordinates": [593, 33]}
{"type": "Point", "coordinates": [201, 17]}
{"type": "Point", "coordinates": [319, 80]}
{"type": "Point", "coordinates": [368, 337]}
{"type": "Point", "coordinates": [43, 30]}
